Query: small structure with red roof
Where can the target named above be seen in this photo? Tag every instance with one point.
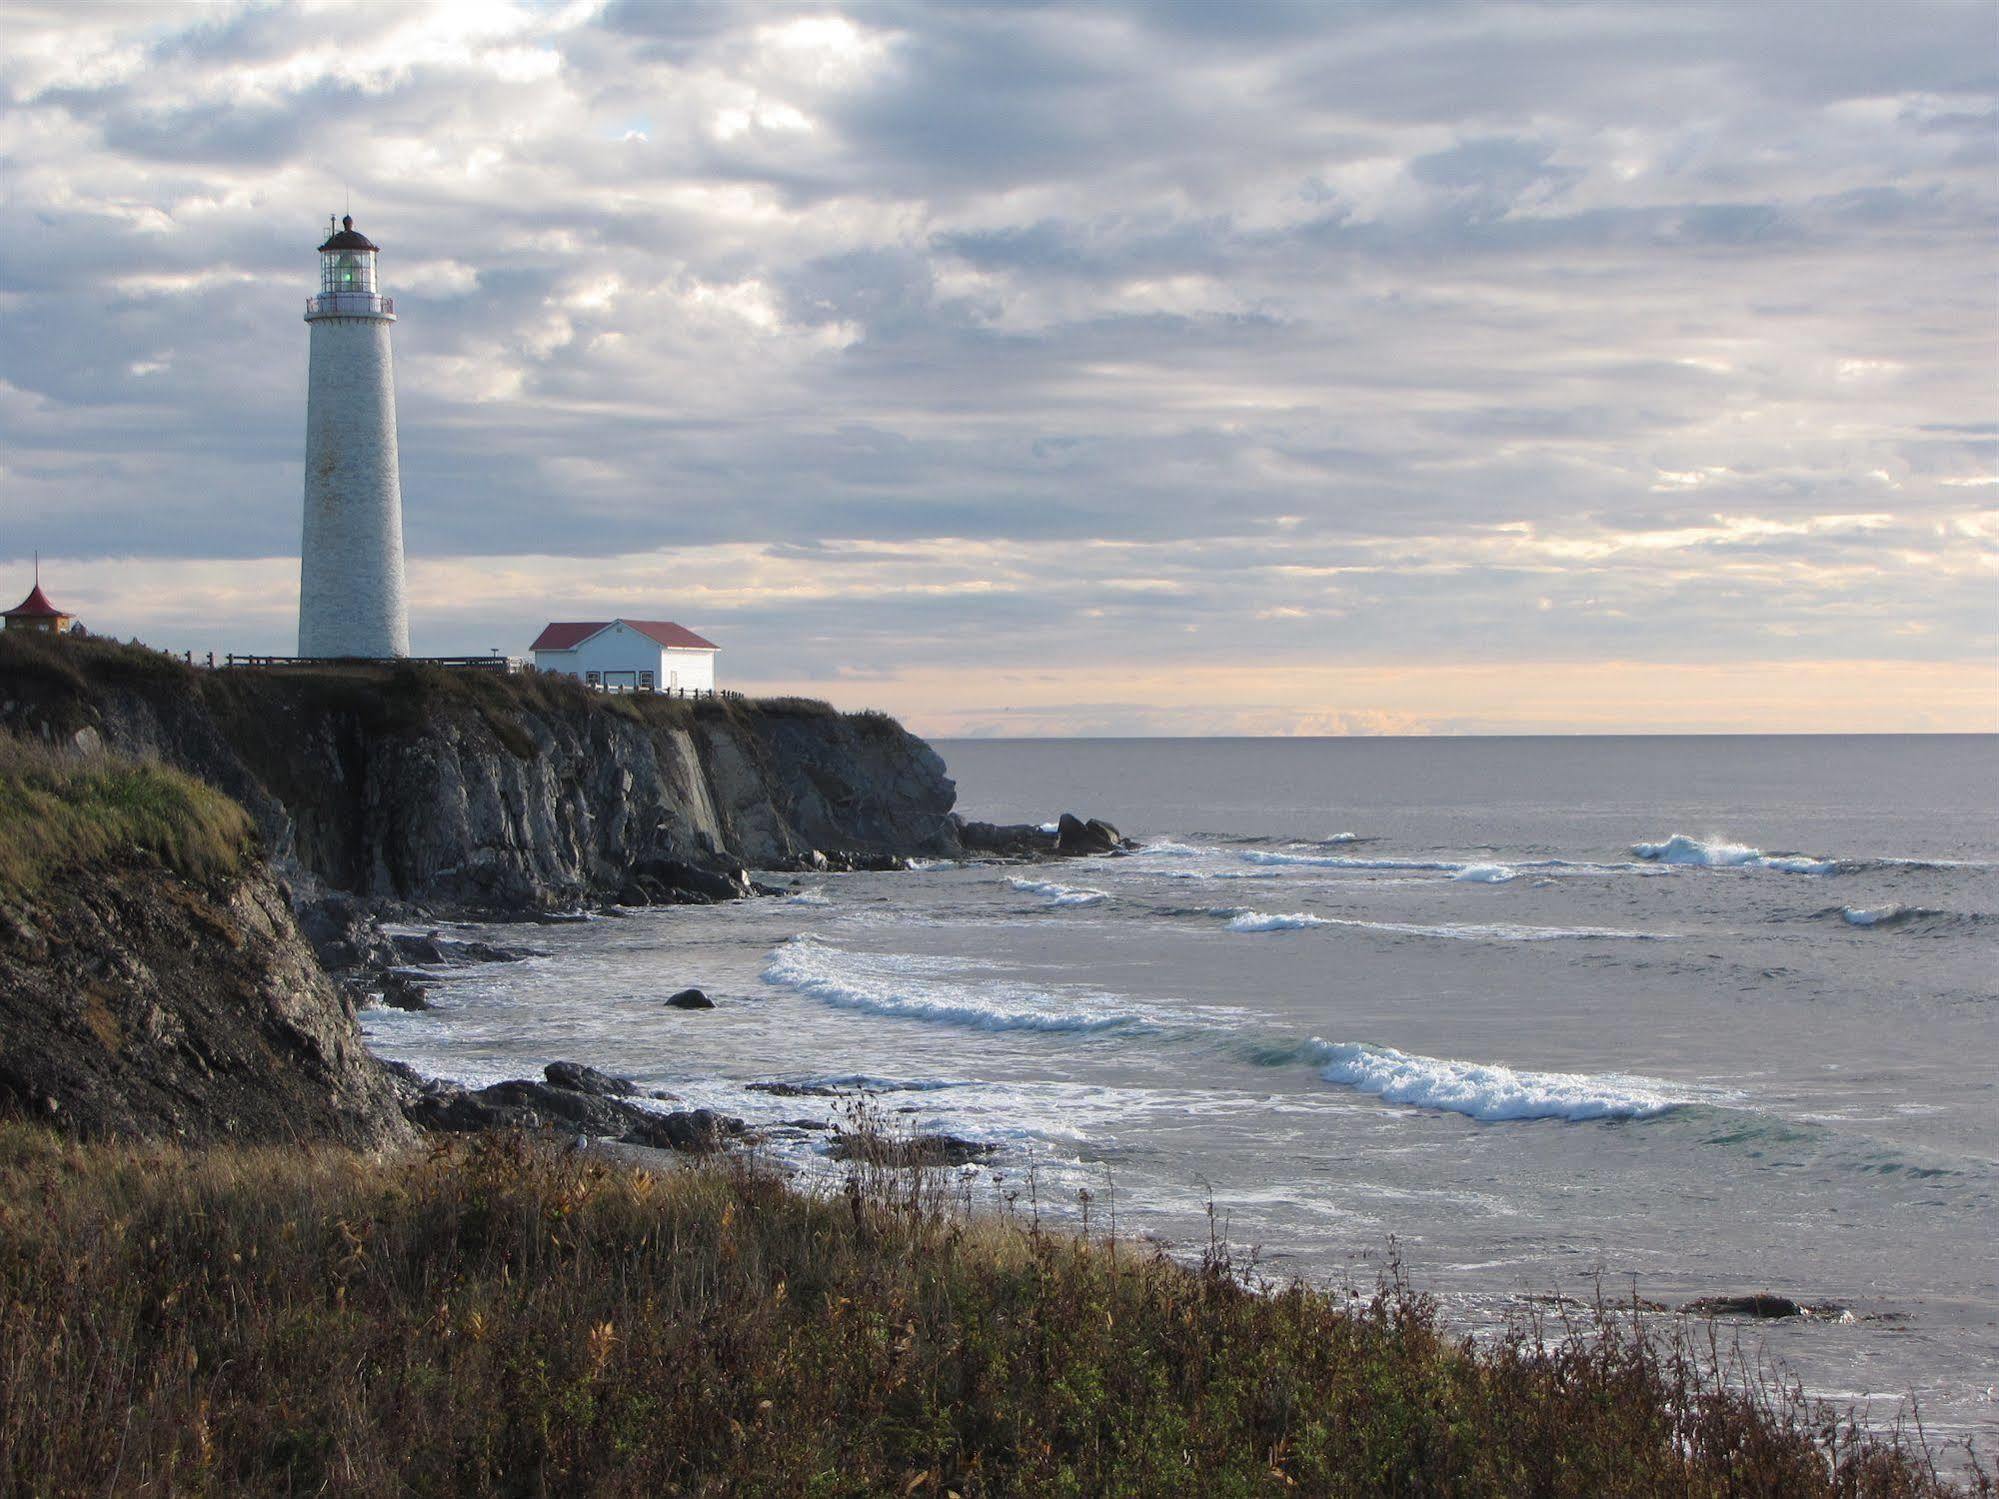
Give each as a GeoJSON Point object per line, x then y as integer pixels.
{"type": "Point", "coordinates": [35, 612]}
{"type": "Point", "coordinates": [630, 655]}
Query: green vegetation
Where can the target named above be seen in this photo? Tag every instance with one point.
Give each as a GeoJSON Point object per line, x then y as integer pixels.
{"type": "Point", "coordinates": [503, 1318]}
{"type": "Point", "coordinates": [400, 699]}
{"type": "Point", "coordinates": [59, 810]}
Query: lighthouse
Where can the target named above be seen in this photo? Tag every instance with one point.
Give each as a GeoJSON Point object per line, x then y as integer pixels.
{"type": "Point", "coordinates": [351, 600]}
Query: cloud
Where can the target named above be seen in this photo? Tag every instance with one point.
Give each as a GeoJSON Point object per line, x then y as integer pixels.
{"type": "Point", "coordinates": [938, 339]}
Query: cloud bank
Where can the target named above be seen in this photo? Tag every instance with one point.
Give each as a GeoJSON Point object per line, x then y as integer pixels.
{"type": "Point", "coordinates": [1150, 368]}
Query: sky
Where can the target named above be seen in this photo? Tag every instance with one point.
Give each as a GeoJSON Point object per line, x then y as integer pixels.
{"type": "Point", "coordinates": [1244, 367]}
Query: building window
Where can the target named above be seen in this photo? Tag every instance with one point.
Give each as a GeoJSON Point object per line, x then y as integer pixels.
{"type": "Point", "coordinates": [592, 678]}
{"type": "Point", "coordinates": [645, 681]}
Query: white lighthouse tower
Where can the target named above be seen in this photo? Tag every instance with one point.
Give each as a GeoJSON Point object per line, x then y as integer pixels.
{"type": "Point", "coordinates": [351, 599]}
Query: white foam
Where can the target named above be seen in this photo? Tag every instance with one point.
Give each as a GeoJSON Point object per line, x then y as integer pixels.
{"type": "Point", "coordinates": [1490, 1090]}
{"type": "Point", "coordinates": [1715, 854]}
{"type": "Point", "coordinates": [813, 897]}
{"type": "Point", "coordinates": [1270, 921]}
{"type": "Point", "coordinates": [1347, 861]}
{"type": "Point", "coordinates": [1344, 838]}
{"type": "Point", "coordinates": [1166, 848]}
{"type": "Point", "coordinates": [911, 988]}
{"type": "Point", "coordinates": [1242, 920]}
{"type": "Point", "coordinates": [1051, 828]}
{"type": "Point", "coordinates": [1485, 874]}
{"type": "Point", "coordinates": [1059, 895]}
{"type": "Point", "coordinates": [1221, 874]}
{"type": "Point", "coordinates": [925, 866]}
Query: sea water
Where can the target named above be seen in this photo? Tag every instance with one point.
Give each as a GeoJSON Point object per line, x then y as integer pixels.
{"type": "Point", "coordinates": [1663, 1017]}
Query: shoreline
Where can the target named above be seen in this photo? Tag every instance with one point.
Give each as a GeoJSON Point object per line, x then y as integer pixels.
{"type": "Point", "coordinates": [525, 1308]}
{"type": "Point", "coordinates": [1479, 1300]}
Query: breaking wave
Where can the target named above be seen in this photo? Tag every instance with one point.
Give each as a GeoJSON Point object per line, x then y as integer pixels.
{"type": "Point", "coordinates": [1059, 895]}
{"type": "Point", "coordinates": [1347, 861]}
{"type": "Point", "coordinates": [1703, 854]}
{"type": "Point", "coordinates": [1477, 870]}
{"type": "Point", "coordinates": [1489, 1090]}
{"type": "Point", "coordinates": [1919, 919]}
{"type": "Point", "coordinates": [1269, 921]}
{"type": "Point", "coordinates": [912, 988]}
{"type": "Point", "coordinates": [1241, 919]}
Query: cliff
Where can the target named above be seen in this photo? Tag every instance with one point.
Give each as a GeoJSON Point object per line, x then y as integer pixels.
{"type": "Point", "coordinates": [152, 982]}
{"type": "Point", "coordinates": [471, 792]}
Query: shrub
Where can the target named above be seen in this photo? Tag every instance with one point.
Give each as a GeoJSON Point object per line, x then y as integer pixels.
{"type": "Point", "coordinates": [501, 1317]}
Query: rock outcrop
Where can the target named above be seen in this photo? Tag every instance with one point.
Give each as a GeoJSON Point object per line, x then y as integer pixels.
{"type": "Point", "coordinates": [1073, 835]}
{"type": "Point", "coordinates": [575, 1106]}
{"type": "Point", "coordinates": [480, 793]}
{"type": "Point", "coordinates": [139, 1002]}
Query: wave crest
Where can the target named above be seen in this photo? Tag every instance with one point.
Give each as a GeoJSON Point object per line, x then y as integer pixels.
{"type": "Point", "coordinates": [912, 989]}
{"type": "Point", "coordinates": [1715, 854]}
{"type": "Point", "coordinates": [1058, 895]}
{"type": "Point", "coordinates": [1271, 921]}
{"type": "Point", "coordinates": [1489, 1090]}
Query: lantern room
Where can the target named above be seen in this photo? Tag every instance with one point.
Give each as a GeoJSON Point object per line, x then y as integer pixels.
{"type": "Point", "coordinates": [347, 286]}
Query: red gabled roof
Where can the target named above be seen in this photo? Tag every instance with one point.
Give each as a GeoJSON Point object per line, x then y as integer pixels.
{"type": "Point", "coordinates": [561, 637]}
{"type": "Point", "coordinates": [566, 636]}
{"type": "Point", "coordinates": [666, 632]}
{"type": "Point", "coordinates": [37, 606]}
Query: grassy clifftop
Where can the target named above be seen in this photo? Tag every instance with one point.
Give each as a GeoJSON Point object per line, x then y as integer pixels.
{"type": "Point", "coordinates": [60, 811]}
{"type": "Point", "coordinates": [503, 1320]}
{"type": "Point", "coordinates": [394, 697]}
{"type": "Point", "coordinates": [476, 791]}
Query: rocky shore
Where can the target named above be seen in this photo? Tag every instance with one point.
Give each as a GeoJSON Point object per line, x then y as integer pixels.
{"type": "Point", "coordinates": [475, 794]}
{"type": "Point", "coordinates": [143, 996]}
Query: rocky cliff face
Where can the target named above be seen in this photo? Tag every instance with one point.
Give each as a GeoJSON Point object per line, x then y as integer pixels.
{"type": "Point", "coordinates": [136, 1001]}
{"type": "Point", "coordinates": [469, 792]}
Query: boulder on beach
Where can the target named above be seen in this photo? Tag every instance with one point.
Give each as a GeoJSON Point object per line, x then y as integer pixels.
{"type": "Point", "coordinates": [581, 1079]}
{"type": "Point", "coordinates": [690, 999]}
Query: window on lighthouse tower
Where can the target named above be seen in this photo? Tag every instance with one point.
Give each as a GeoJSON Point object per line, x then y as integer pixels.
{"type": "Point", "coordinates": [347, 271]}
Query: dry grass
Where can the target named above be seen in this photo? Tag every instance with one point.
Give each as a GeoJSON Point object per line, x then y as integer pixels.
{"type": "Point", "coordinates": [506, 1319]}
{"type": "Point", "coordinates": [59, 810]}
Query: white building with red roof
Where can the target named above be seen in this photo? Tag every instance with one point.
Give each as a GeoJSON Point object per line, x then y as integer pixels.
{"type": "Point", "coordinates": [635, 655]}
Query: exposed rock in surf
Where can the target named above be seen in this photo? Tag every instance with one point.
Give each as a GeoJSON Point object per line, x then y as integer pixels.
{"type": "Point", "coordinates": [690, 999]}
{"type": "Point", "coordinates": [581, 1079]}
{"type": "Point", "coordinates": [1762, 1304]}
{"type": "Point", "coordinates": [797, 1090]}
{"type": "Point", "coordinates": [526, 1105]}
{"type": "Point", "coordinates": [1015, 840]}
{"type": "Point", "coordinates": [913, 1150]}
{"type": "Point", "coordinates": [1075, 836]}
{"type": "Point", "coordinates": [402, 992]}
{"type": "Point", "coordinates": [1071, 837]}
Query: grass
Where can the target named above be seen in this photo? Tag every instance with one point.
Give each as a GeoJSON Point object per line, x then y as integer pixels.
{"type": "Point", "coordinates": [390, 700]}
{"type": "Point", "coordinates": [502, 1318]}
{"type": "Point", "coordinates": [59, 810]}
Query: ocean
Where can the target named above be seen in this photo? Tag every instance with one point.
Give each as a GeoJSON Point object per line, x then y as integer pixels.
{"type": "Point", "coordinates": [1656, 1017]}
